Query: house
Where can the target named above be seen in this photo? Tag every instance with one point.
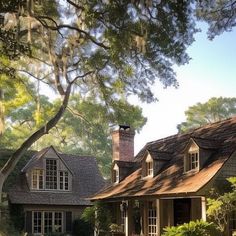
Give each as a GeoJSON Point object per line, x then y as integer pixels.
{"type": "Point", "coordinates": [167, 182]}
{"type": "Point", "coordinates": [53, 189]}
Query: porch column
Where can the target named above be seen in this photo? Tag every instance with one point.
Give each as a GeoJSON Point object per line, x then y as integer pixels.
{"type": "Point", "coordinates": [158, 209]}
{"type": "Point", "coordinates": [203, 203]}
{"type": "Point", "coordinates": [127, 218]}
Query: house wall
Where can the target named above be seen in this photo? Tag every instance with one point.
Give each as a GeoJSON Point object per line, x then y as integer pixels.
{"type": "Point", "coordinates": [74, 211]}
{"type": "Point", "coordinates": [166, 213]}
{"type": "Point", "coordinates": [227, 170]}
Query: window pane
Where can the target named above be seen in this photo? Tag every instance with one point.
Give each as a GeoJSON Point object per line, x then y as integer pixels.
{"type": "Point", "coordinates": [37, 222]}
{"type": "Point", "coordinates": [64, 180]}
{"type": "Point", "coordinates": [51, 174]}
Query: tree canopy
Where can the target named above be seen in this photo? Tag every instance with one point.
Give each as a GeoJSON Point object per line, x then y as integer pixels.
{"type": "Point", "coordinates": [215, 109]}
{"type": "Point", "coordinates": [104, 50]}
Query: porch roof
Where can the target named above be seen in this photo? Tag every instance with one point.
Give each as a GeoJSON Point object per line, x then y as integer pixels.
{"type": "Point", "coordinates": [169, 182]}
{"type": "Point", "coordinates": [172, 180]}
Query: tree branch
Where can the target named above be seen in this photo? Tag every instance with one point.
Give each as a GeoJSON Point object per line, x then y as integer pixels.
{"type": "Point", "coordinates": [13, 160]}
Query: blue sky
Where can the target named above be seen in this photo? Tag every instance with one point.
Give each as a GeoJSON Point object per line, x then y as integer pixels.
{"type": "Point", "coordinates": [210, 73]}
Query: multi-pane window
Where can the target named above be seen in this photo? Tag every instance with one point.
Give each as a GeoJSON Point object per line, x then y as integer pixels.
{"type": "Point", "coordinates": [193, 160]}
{"type": "Point", "coordinates": [37, 179]}
{"type": "Point", "coordinates": [149, 168]}
{"type": "Point", "coordinates": [152, 219]}
{"type": "Point", "coordinates": [51, 174]}
{"type": "Point", "coordinates": [37, 222]}
{"type": "Point", "coordinates": [64, 181]}
{"type": "Point", "coordinates": [58, 222]}
{"type": "Point", "coordinates": [50, 178]}
{"type": "Point", "coordinates": [47, 222]}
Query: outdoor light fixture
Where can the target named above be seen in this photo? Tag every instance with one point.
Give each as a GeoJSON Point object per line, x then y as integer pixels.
{"type": "Point", "coordinates": [123, 206]}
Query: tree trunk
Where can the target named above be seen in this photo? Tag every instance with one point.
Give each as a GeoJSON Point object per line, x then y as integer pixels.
{"type": "Point", "coordinates": [13, 160]}
{"type": "Point", "coordinates": [2, 121]}
{"type": "Point", "coordinates": [1, 186]}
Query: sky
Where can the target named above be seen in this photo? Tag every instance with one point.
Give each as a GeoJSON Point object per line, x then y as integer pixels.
{"type": "Point", "coordinates": [210, 73]}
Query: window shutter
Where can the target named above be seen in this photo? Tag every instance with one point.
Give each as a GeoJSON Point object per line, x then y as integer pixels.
{"type": "Point", "coordinates": [68, 222]}
{"type": "Point", "coordinates": [28, 222]}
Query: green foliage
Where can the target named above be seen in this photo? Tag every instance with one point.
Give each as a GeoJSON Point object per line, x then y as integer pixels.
{"type": "Point", "coordinates": [220, 15]}
{"type": "Point", "coordinates": [81, 227]}
{"type": "Point", "coordinates": [215, 109]}
{"type": "Point", "coordinates": [99, 217]}
{"type": "Point", "coordinates": [17, 217]}
{"type": "Point", "coordinates": [5, 155]}
{"type": "Point", "coordinates": [193, 228]}
{"type": "Point", "coordinates": [220, 207]}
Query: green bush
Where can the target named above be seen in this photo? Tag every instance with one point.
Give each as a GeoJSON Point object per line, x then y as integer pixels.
{"type": "Point", "coordinates": [193, 228]}
{"type": "Point", "coordinates": [99, 218]}
{"type": "Point", "coordinates": [6, 228]}
{"type": "Point", "coordinates": [81, 227]}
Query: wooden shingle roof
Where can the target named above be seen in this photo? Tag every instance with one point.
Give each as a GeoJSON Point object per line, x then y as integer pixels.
{"type": "Point", "coordinates": [220, 136]}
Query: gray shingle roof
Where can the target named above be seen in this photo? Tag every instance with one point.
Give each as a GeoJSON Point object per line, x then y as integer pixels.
{"type": "Point", "coordinates": [86, 181]}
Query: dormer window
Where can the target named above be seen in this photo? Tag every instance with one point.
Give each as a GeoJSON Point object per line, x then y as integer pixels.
{"type": "Point", "coordinates": [37, 179]}
{"type": "Point", "coordinates": [193, 161]}
{"type": "Point", "coordinates": [51, 174]}
{"type": "Point", "coordinates": [64, 180]}
{"type": "Point", "coordinates": [149, 168]}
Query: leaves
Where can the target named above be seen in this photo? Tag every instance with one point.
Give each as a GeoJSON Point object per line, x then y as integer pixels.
{"type": "Point", "coordinates": [193, 228]}
{"type": "Point", "coordinates": [215, 109]}
{"type": "Point", "coordinates": [221, 207]}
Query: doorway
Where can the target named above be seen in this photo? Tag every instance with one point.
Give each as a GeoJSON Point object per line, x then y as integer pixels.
{"type": "Point", "coordinates": [182, 211]}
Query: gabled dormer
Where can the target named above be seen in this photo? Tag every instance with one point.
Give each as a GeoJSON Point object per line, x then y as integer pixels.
{"type": "Point", "coordinates": [153, 162]}
{"type": "Point", "coordinates": [197, 152]}
{"type": "Point", "coordinates": [47, 171]}
{"type": "Point", "coordinates": [121, 169]}
{"type": "Point", "coordinates": [148, 166]}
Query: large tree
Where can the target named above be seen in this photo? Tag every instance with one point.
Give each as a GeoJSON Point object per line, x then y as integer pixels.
{"type": "Point", "coordinates": [85, 127]}
{"type": "Point", "coordinates": [105, 49]}
{"type": "Point", "coordinates": [220, 15]}
{"type": "Point", "coordinates": [215, 109]}
{"type": "Point", "coordinates": [101, 49]}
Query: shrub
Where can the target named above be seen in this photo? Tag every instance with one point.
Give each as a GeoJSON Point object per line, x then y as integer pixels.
{"type": "Point", "coordinates": [193, 228]}
{"type": "Point", "coordinates": [99, 218]}
{"type": "Point", "coordinates": [81, 227]}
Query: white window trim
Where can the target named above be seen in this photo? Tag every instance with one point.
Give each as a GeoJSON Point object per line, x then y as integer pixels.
{"type": "Point", "coordinates": [37, 179]}
{"type": "Point", "coordinates": [187, 163]}
{"type": "Point", "coordinates": [51, 189]}
{"type": "Point", "coordinates": [64, 180]}
{"type": "Point", "coordinates": [152, 229]}
{"type": "Point", "coordinates": [42, 221]}
{"type": "Point", "coordinates": [148, 173]}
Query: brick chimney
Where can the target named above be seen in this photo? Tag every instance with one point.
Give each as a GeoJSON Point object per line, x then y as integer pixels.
{"type": "Point", "coordinates": [123, 144]}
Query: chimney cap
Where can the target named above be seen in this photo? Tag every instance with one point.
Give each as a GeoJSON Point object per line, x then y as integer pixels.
{"type": "Point", "coordinates": [124, 127]}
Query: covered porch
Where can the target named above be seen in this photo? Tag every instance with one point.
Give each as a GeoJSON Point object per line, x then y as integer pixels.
{"type": "Point", "coordinates": [149, 216]}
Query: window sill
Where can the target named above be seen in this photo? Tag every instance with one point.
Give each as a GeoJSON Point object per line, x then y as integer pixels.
{"type": "Point", "coordinates": [191, 172]}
